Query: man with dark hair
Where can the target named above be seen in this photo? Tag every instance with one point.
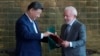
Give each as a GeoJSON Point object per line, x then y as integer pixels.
{"type": "Point", "coordinates": [28, 35]}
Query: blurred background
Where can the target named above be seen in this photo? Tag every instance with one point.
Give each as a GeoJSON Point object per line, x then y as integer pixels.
{"type": "Point", "coordinates": [88, 13]}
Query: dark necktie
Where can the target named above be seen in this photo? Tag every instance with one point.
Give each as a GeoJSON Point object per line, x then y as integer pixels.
{"type": "Point", "coordinates": [66, 32]}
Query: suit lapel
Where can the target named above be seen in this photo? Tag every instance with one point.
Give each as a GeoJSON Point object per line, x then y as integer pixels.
{"type": "Point", "coordinates": [29, 24]}
{"type": "Point", "coordinates": [63, 31]}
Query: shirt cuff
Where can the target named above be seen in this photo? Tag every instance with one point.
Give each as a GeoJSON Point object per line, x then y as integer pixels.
{"type": "Point", "coordinates": [70, 44]}
{"type": "Point", "coordinates": [41, 35]}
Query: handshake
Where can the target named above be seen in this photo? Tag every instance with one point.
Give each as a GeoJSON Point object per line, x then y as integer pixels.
{"type": "Point", "coordinates": [57, 39]}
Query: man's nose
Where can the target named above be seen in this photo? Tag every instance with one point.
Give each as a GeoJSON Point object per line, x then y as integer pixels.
{"type": "Point", "coordinates": [38, 15]}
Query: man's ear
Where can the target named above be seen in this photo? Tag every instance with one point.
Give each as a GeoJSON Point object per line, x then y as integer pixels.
{"type": "Point", "coordinates": [31, 10]}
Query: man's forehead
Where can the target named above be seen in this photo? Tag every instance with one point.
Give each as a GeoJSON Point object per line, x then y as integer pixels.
{"type": "Point", "coordinates": [67, 11]}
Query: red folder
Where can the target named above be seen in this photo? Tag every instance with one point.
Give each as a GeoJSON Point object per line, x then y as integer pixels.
{"type": "Point", "coordinates": [56, 38]}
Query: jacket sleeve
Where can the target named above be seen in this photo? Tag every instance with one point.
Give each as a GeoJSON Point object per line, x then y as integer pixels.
{"type": "Point", "coordinates": [23, 32]}
{"type": "Point", "coordinates": [82, 37]}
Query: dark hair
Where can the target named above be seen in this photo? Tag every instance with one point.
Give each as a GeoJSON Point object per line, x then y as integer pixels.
{"type": "Point", "coordinates": [35, 5]}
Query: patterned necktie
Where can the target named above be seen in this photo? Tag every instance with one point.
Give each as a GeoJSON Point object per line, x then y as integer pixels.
{"type": "Point", "coordinates": [66, 32]}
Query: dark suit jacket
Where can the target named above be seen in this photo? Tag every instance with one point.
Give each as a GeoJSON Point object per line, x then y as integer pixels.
{"type": "Point", "coordinates": [27, 41]}
{"type": "Point", "coordinates": [77, 36]}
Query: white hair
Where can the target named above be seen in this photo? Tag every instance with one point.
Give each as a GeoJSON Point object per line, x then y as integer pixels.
{"type": "Point", "coordinates": [74, 11]}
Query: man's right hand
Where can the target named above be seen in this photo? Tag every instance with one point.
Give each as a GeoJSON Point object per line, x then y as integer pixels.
{"type": "Point", "coordinates": [46, 34]}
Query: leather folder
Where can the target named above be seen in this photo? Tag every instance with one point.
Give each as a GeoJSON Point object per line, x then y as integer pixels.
{"type": "Point", "coordinates": [56, 38]}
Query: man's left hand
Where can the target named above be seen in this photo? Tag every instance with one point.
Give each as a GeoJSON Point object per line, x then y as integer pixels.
{"type": "Point", "coordinates": [65, 44]}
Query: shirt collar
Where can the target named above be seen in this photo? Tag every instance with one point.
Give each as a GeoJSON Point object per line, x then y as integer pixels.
{"type": "Point", "coordinates": [29, 17]}
{"type": "Point", "coordinates": [71, 22]}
